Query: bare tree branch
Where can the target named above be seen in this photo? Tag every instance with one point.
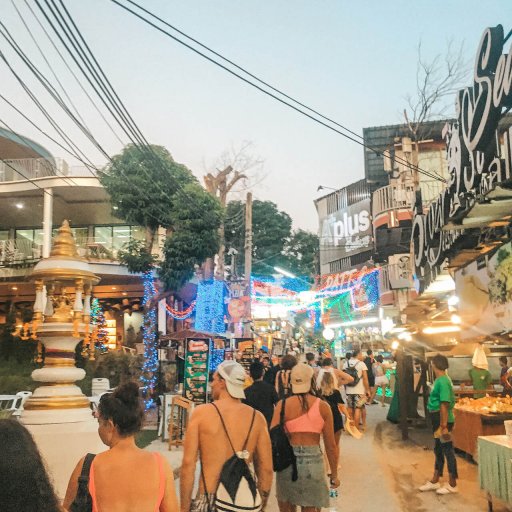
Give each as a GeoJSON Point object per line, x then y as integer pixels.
{"type": "Point", "coordinates": [436, 80]}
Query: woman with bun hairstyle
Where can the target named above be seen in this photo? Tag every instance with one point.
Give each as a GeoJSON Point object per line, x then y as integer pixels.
{"type": "Point", "coordinates": [24, 483]}
{"type": "Point", "coordinates": [124, 478]}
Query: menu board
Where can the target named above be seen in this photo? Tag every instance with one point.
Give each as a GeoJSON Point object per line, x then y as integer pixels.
{"type": "Point", "coordinates": [196, 369]}
{"type": "Point", "coordinates": [247, 351]}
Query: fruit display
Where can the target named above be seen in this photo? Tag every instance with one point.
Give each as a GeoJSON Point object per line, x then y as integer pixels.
{"type": "Point", "coordinates": [486, 405]}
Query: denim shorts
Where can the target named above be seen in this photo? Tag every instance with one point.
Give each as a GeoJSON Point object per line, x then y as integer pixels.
{"type": "Point", "coordinates": [311, 488]}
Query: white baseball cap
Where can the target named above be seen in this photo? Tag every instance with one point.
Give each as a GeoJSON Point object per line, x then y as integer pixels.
{"type": "Point", "coordinates": [234, 375]}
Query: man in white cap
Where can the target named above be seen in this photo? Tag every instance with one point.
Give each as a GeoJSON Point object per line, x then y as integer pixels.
{"type": "Point", "coordinates": [207, 437]}
{"type": "Point", "coordinates": [480, 376]}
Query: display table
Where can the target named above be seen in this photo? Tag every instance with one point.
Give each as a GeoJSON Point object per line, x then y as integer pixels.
{"type": "Point", "coordinates": [470, 425]}
{"type": "Point", "coordinates": [495, 467]}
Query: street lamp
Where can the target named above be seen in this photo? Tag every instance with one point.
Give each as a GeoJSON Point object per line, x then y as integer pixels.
{"type": "Point", "coordinates": [322, 187]}
{"type": "Point", "coordinates": [328, 334]}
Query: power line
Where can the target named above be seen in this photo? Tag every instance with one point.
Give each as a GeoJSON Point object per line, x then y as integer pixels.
{"type": "Point", "coordinates": [144, 145]}
{"type": "Point", "coordinates": [65, 30]}
{"type": "Point", "coordinates": [46, 134]}
{"type": "Point", "coordinates": [42, 109]}
{"type": "Point", "coordinates": [48, 86]}
{"type": "Point", "coordinates": [268, 93]}
{"type": "Point", "coordinates": [47, 62]}
{"type": "Point", "coordinates": [78, 81]}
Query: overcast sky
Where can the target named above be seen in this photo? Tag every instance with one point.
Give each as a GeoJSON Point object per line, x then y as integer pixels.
{"type": "Point", "coordinates": [353, 61]}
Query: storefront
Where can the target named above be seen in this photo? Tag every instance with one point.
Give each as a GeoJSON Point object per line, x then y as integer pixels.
{"type": "Point", "coordinates": [465, 235]}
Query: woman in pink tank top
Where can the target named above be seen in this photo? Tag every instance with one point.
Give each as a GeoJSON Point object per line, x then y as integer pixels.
{"type": "Point", "coordinates": [124, 478]}
{"type": "Point", "coordinates": [307, 418]}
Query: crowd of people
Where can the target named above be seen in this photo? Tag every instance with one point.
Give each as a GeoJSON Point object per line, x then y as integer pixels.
{"type": "Point", "coordinates": [234, 438]}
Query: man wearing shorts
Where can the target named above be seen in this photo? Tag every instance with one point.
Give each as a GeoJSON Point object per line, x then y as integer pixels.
{"type": "Point", "coordinates": [357, 395]}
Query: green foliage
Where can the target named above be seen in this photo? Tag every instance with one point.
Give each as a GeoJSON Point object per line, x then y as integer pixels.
{"type": "Point", "coordinates": [195, 236]}
{"type": "Point", "coordinates": [273, 241]}
{"type": "Point", "coordinates": [117, 367]}
{"type": "Point", "coordinates": [142, 185]}
{"type": "Point", "coordinates": [136, 257]}
{"type": "Point", "coordinates": [301, 251]}
{"type": "Point", "coordinates": [271, 229]}
{"type": "Point", "coordinates": [11, 346]}
{"type": "Point", "coordinates": [155, 191]}
{"type": "Point", "coordinates": [15, 376]}
{"type": "Point", "coordinates": [145, 438]}
{"type": "Point", "coordinates": [7, 339]}
{"type": "Point", "coordinates": [131, 336]}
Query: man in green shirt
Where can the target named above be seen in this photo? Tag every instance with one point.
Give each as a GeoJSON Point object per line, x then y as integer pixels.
{"type": "Point", "coordinates": [440, 405]}
{"type": "Point", "coordinates": [481, 379]}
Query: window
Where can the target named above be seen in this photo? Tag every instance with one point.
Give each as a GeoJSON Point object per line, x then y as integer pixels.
{"type": "Point", "coordinates": [31, 235]}
{"type": "Point", "coordinates": [114, 237]}
{"type": "Point", "coordinates": [80, 235]}
{"type": "Point", "coordinates": [4, 235]}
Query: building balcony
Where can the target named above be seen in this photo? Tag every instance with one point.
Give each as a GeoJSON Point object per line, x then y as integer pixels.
{"type": "Point", "coordinates": [395, 277]}
{"type": "Point", "coordinates": [20, 253]}
{"type": "Point", "coordinates": [392, 205]}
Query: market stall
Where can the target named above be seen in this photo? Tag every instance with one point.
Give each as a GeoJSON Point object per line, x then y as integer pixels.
{"type": "Point", "coordinates": [479, 417]}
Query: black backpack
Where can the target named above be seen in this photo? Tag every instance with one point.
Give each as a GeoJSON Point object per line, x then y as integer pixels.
{"type": "Point", "coordinates": [351, 370]}
{"type": "Point", "coordinates": [237, 489]}
{"type": "Point", "coordinates": [282, 451]}
{"type": "Point", "coordinates": [83, 500]}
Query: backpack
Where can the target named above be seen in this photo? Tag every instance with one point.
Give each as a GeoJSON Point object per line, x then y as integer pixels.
{"type": "Point", "coordinates": [352, 371]}
{"type": "Point", "coordinates": [83, 500]}
{"type": "Point", "coordinates": [236, 490]}
{"type": "Point", "coordinates": [282, 451]}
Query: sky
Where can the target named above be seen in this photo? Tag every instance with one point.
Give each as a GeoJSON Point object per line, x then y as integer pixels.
{"type": "Point", "coordinates": [355, 62]}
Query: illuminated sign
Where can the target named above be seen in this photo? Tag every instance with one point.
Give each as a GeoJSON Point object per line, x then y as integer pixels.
{"type": "Point", "coordinates": [349, 228]}
{"type": "Point", "coordinates": [476, 162]}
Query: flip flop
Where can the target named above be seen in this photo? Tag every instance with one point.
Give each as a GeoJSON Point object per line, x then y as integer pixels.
{"type": "Point", "coordinates": [352, 430]}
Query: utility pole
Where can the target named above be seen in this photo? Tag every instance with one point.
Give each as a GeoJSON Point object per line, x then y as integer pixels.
{"type": "Point", "coordinates": [248, 262]}
{"type": "Point", "coordinates": [248, 237]}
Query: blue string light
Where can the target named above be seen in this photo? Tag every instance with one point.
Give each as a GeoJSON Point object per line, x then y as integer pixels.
{"type": "Point", "coordinates": [210, 307]}
{"type": "Point", "coordinates": [149, 329]}
{"type": "Point", "coordinates": [216, 356]}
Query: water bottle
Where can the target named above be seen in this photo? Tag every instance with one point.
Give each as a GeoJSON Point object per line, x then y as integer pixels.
{"type": "Point", "coordinates": [333, 499]}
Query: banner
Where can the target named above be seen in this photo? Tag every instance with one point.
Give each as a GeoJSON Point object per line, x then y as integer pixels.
{"type": "Point", "coordinates": [484, 289]}
{"type": "Point", "coordinates": [197, 360]}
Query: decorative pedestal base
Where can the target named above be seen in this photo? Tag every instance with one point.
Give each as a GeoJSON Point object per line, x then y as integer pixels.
{"type": "Point", "coordinates": [62, 445]}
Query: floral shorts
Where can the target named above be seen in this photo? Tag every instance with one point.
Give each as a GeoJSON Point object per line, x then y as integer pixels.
{"type": "Point", "coordinates": [356, 401]}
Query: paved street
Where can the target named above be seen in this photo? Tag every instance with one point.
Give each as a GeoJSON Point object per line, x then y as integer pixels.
{"type": "Point", "coordinates": [380, 473]}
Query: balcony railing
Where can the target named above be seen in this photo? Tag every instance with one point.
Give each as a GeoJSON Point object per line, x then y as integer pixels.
{"type": "Point", "coordinates": [21, 169]}
{"type": "Point", "coordinates": [23, 252]}
{"type": "Point", "coordinates": [392, 198]}
{"type": "Point", "coordinates": [19, 252]}
{"type": "Point", "coordinates": [395, 277]}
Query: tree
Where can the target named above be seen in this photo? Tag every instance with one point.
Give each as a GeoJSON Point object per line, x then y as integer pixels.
{"type": "Point", "coordinates": [436, 80]}
{"type": "Point", "coordinates": [195, 235]}
{"type": "Point", "coordinates": [143, 185]}
{"type": "Point", "coordinates": [301, 251]}
{"type": "Point", "coordinates": [234, 167]}
{"type": "Point", "coordinates": [8, 339]}
{"type": "Point", "coordinates": [152, 190]}
{"type": "Point", "coordinates": [271, 230]}
{"type": "Point", "coordinates": [149, 188]}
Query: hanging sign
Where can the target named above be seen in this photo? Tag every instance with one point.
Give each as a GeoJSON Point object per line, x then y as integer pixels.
{"type": "Point", "coordinates": [197, 360]}
{"type": "Point", "coordinates": [477, 162]}
{"type": "Point", "coordinates": [247, 351]}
